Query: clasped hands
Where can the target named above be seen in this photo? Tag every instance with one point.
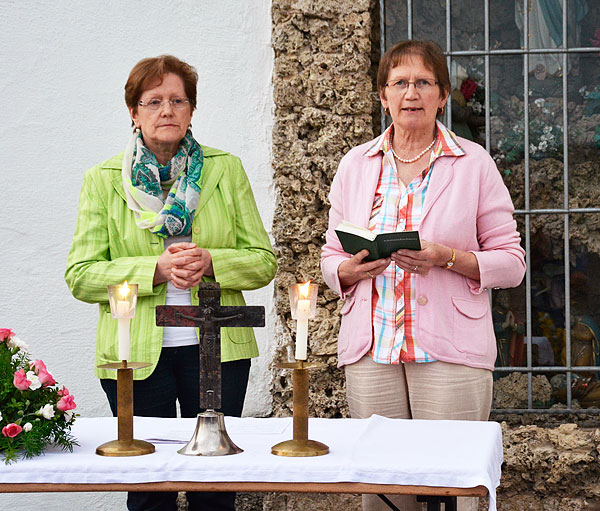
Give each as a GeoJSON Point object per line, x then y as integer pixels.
{"type": "Point", "coordinates": [184, 264]}
{"type": "Point", "coordinates": [412, 261]}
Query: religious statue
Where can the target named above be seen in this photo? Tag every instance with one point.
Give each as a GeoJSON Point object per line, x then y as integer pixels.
{"type": "Point", "coordinates": [585, 345]}
{"type": "Point", "coordinates": [545, 31]}
{"type": "Point", "coordinates": [509, 330]}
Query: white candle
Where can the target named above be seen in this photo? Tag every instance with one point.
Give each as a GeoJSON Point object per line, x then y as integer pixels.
{"type": "Point", "coordinates": [302, 314]}
{"type": "Point", "coordinates": [124, 338]}
{"type": "Point", "coordinates": [123, 310]}
{"type": "Point", "coordinates": [123, 319]}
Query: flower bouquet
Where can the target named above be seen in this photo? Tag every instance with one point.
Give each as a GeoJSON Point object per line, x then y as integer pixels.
{"type": "Point", "coordinates": [34, 411]}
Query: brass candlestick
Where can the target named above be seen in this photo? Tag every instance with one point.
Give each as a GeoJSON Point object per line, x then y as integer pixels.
{"type": "Point", "coordinates": [125, 445]}
{"type": "Point", "coordinates": [300, 445]}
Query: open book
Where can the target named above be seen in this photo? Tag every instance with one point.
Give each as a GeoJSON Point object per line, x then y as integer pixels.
{"type": "Point", "coordinates": [354, 238]}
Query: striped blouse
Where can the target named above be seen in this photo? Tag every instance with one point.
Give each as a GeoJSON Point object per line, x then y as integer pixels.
{"type": "Point", "coordinates": [397, 207]}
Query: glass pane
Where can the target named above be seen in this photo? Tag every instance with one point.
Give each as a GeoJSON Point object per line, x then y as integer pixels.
{"type": "Point", "coordinates": [584, 20]}
{"type": "Point", "coordinates": [584, 274]}
{"type": "Point", "coordinates": [509, 318]}
{"type": "Point", "coordinates": [546, 259]}
{"type": "Point", "coordinates": [396, 22]}
{"type": "Point", "coordinates": [546, 145]}
{"type": "Point", "coordinates": [429, 21]}
{"type": "Point", "coordinates": [468, 97]}
{"type": "Point", "coordinates": [584, 245]}
{"type": "Point", "coordinates": [587, 24]}
{"type": "Point", "coordinates": [504, 30]}
{"type": "Point", "coordinates": [584, 130]}
{"type": "Point", "coordinates": [506, 123]}
{"type": "Point", "coordinates": [467, 24]}
{"type": "Point", "coordinates": [545, 23]}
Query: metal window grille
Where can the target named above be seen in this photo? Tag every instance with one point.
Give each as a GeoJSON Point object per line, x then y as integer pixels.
{"type": "Point", "coordinates": [526, 213]}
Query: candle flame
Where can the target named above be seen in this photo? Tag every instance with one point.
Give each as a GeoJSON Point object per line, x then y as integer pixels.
{"type": "Point", "coordinates": [303, 290]}
{"type": "Point", "coordinates": [124, 290]}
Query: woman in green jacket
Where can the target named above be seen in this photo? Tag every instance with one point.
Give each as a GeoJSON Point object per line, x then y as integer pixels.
{"type": "Point", "coordinates": [167, 214]}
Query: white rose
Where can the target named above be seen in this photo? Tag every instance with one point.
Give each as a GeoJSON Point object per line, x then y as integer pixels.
{"type": "Point", "coordinates": [47, 411]}
{"type": "Point", "coordinates": [69, 415]}
{"type": "Point", "coordinates": [15, 342]}
{"type": "Point", "coordinates": [27, 427]}
{"type": "Point", "coordinates": [35, 381]}
{"type": "Point", "coordinates": [0, 416]}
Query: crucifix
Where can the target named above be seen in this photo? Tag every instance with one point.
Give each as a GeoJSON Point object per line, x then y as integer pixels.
{"type": "Point", "coordinates": [210, 316]}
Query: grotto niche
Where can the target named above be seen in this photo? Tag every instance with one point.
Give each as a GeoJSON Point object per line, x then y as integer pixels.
{"type": "Point", "coordinates": [537, 181]}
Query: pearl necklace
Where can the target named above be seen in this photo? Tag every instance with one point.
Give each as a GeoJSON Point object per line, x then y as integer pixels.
{"type": "Point", "coordinates": [412, 160]}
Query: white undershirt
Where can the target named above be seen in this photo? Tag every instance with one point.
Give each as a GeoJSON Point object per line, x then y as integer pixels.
{"type": "Point", "coordinates": [178, 336]}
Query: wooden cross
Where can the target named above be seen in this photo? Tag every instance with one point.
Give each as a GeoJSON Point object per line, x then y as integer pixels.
{"type": "Point", "coordinates": [210, 317]}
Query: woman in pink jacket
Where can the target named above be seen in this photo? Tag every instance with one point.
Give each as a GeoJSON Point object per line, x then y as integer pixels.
{"type": "Point", "coordinates": [416, 338]}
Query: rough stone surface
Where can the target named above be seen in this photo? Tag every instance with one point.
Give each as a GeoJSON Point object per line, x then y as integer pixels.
{"type": "Point", "coordinates": [511, 391]}
{"type": "Point", "coordinates": [325, 103]}
{"type": "Point", "coordinates": [312, 502]}
{"type": "Point", "coordinates": [550, 469]}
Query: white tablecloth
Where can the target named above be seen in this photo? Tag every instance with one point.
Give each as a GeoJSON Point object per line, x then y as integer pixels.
{"type": "Point", "coordinates": [378, 450]}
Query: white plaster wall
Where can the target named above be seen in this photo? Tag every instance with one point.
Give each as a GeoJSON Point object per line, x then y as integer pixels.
{"type": "Point", "coordinates": [64, 65]}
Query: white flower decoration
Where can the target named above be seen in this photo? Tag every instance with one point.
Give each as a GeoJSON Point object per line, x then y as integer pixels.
{"type": "Point", "coordinates": [15, 342]}
{"type": "Point", "coordinates": [68, 414]}
{"type": "Point", "coordinates": [27, 427]}
{"type": "Point", "coordinates": [46, 411]}
{"type": "Point", "coordinates": [35, 381]}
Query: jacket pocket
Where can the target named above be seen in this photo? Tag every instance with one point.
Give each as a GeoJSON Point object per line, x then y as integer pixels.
{"type": "Point", "coordinates": [238, 335]}
{"type": "Point", "coordinates": [470, 332]}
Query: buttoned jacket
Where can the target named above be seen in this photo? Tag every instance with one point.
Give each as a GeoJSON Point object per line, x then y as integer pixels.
{"type": "Point", "coordinates": [467, 207]}
{"type": "Point", "coordinates": [109, 248]}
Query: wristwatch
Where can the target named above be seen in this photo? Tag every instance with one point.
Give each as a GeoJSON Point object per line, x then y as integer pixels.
{"type": "Point", "coordinates": [450, 262]}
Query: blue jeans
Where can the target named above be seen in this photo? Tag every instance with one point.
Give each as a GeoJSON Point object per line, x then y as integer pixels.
{"type": "Point", "coordinates": [176, 378]}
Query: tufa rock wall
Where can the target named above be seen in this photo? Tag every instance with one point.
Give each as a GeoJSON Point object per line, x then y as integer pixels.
{"type": "Point", "coordinates": [550, 469]}
{"type": "Point", "coordinates": [325, 103]}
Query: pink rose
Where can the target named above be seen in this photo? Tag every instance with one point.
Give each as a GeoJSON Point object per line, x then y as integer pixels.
{"type": "Point", "coordinates": [6, 333]}
{"type": "Point", "coordinates": [20, 380]}
{"type": "Point", "coordinates": [44, 376]}
{"type": "Point", "coordinates": [63, 392]}
{"type": "Point", "coordinates": [11, 430]}
{"type": "Point", "coordinates": [66, 403]}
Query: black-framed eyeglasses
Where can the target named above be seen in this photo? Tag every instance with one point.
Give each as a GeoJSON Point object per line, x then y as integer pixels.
{"type": "Point", "coordinates": [155, 104]}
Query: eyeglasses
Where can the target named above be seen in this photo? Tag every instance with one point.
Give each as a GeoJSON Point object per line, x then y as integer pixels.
{"type": "Point", "coordinates": [156, 104]}
{"type": "Point", "coordinates": [421, 84]}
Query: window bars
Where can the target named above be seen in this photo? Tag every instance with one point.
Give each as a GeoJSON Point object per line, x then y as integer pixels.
{"type": "Point", "coordinates": [526, 213]}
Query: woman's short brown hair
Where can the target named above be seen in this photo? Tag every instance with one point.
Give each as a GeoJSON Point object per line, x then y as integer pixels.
{"type": "Point", "coordinates": [430, 53]}
{"type": "Point", "coordinates": [148, 71]}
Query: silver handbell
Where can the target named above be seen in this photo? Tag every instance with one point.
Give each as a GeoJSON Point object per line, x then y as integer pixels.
{"type": "Point", "coordinates": [210, 437]}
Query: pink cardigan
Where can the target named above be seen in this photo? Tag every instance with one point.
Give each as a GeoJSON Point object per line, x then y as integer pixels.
{"type": "Point", "coordinates": [467, 207]}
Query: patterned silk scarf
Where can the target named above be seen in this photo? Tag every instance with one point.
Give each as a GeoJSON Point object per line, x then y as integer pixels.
{"type": "Point", "coordinates": [144, 180]}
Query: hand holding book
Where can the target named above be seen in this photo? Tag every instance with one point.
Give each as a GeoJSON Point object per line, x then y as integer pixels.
{"type": "Point", "coordinates": [357, 268]}
{"type": "Point", "coordinates": [354, 239]}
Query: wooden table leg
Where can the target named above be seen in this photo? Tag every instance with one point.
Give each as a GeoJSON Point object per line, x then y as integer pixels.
{"type": "Point", "coordinates": [389, 503]}
{"type": "Point", "coordinates": [433, 502]}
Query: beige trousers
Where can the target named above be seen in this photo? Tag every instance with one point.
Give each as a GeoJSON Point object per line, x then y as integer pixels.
{"type": "Point", "coordinates": [433, 390]}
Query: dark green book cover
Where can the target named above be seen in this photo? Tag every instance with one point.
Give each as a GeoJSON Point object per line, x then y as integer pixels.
{"type": "Point", "coordinates": [382, 246]}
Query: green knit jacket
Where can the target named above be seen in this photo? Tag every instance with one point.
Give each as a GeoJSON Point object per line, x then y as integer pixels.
{"type": "Point", "coordinates": [109, 248]}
